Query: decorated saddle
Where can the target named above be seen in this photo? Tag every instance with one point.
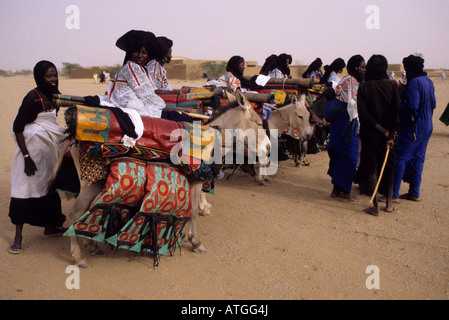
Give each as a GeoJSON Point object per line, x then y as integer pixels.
{"type": "Point", "coordinates": [184, 143]}
{"type": "Point", "coordinates": [143, 208]}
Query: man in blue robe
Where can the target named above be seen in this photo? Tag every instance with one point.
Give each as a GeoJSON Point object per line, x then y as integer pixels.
{"type": "Point", "coordinates": [415, 128]}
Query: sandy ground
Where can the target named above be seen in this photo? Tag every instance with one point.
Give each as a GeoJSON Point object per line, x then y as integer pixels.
{"type": "Point", "coordinates": [287, 240]}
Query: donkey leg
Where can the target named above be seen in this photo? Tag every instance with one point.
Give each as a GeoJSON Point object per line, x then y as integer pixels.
{"type": "Point", "coordinates": [204, 206]}
{"type": "Point", "coordinates": [193, 237]}
{"type": "Point", "coordinates": [261, 178]}
{"type": "Point", "coordinates": [81, 205]}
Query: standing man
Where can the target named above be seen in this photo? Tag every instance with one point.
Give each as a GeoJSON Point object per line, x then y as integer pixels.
{"type": "Point", "coordinates": [377, 104]}
{"type": "Point", "coordinates": [415, 128]}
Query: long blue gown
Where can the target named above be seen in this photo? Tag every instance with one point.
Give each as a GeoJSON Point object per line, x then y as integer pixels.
{"type": "Point", "coordinates": [343, 144]}
{"type": "Point", "coordinates": [410, 153]}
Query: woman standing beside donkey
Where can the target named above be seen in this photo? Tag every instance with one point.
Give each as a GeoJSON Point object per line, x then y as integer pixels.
{"type": "Point", "coordinates": [38, 138]}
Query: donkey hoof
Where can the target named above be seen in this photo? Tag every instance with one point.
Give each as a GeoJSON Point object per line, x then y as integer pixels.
{"type": "Point", "coordinates": [206, 213]}
{"type": "Point", "coordinates": [97, 252]}
{"type": "Point", "coordinates": [199, 248]}
{"type": "Point", "coordinates": [84, 265]}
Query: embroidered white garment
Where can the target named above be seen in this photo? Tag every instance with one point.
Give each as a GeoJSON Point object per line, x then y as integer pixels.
{"type": "Point", "coordinates": [347, 92]}
{"type": "Point", "coordinates": [133, 88]}
{"type": "Point", "coordinates": [159, 75]}
{"type": "Point", "coordinates": [277, 74]}
{"type": "Point", "coordinates": [228, 80]}
{"type": "Point", "coordinates": [335, 79]}
{"type": "Point", "coordinates": [43, 140]}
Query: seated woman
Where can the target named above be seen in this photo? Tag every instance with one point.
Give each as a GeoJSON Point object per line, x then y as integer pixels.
{"type": "Point", "coordinates": [269, 65]}
{"type": "Point", "coordinates": [155, 66]}
{"type": "Point", "coordinates": [331, 72]}
{"type": "Point", "coordinates": [132, 86]}
{"type": "Point", "coordinates": [314, 70]}
{"type": "Point", "coordinates": [282, 69]}
{"type": "Point", "coordinates": [158, 74]}
{"type": "Point", "coordinates": [234, 78]}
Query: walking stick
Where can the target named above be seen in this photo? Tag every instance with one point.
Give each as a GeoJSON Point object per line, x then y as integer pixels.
{"type": "Point", "coordinates": [381, 173]}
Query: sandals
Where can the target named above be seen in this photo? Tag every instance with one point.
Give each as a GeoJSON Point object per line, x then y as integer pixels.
{"type": "Point", "coordinates": [384, 199]}
{"type": "Point", "coordinates": [219, 176]}
{"type": "Point", "coordinates": [345, 197]}
{"type": "Point", "coordinates": [15, 249]}
{"type": "Point", "coordinates": [408, 196]}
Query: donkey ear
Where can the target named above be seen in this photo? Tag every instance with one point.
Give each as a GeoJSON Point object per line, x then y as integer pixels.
{"type": "Point", "coordinates": [302, 99]}
{"type": "Point", "coordinates": [293, 98]}
{"type": "Point", "coordinates": [241, 99]}
{"type": "Point", "coordinates": [232, 99]}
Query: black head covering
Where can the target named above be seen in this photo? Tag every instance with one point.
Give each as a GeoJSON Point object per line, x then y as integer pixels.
{"type": "Point", "coordinates": [282, 63]}
{"type": "Point", "coordinates": [314, 66]}
{"type": "Point", "coordinates": [134, 40]}
{"type": "Point", "coordinates": [39, 71]}
{"type": "Point", "coordinates": [270, 64]}
{"type": "Point", "coordinates": [232, 67]}
{"type": "Point", "coordinates": [336, 65]}
{"type": "Point", "coordinates": [376, 68]}
{"type": "Point", "coordinates": [164, 44]}
{"type": "Point", "coordinates": [353, 63]}
{"type": "Point", "coordinates": [414, 66]}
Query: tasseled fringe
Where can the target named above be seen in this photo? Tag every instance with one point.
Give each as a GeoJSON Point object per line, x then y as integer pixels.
{"type": "Point", "coordinates": [153, 237]}
{"type": "Point", "coordinates": [172, 223]}
{"type": "Point", "coordinates": [116, 221]}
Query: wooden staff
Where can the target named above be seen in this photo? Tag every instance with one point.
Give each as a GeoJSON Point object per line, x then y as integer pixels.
{"type": "Point", "coordinates": [381, 173]}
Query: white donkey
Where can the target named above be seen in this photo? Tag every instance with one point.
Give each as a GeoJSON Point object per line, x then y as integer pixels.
{"type": "Point", "coordinates": [294, 115]}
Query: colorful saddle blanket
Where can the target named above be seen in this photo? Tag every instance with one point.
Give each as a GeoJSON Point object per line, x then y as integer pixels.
{"type": "Point", "coordinates": [184, 143]}
{"type": "Point", "coordinates": [186, 98]}
{"type": "Point", "coordinates": [290, 88]}
{"type": "Point", "coordinates": [143, 208]}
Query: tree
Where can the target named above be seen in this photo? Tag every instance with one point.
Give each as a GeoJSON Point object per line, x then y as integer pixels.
{"type": "Point", "coordinates": [213, 70]}
{"type": "Point", "coordinates": [114, 70]}
{"type": "Point", "coordinates": [67, 68]}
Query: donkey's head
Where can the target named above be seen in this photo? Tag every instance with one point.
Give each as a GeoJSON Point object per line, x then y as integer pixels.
{"type": "Point", "coordinates": [299, 117]}
{"type": "Point", "coordinates": [245, 122]}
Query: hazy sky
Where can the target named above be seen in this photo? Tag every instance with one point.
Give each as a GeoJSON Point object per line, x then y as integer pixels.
{"type": "Point", "coordinates": [32, 30]}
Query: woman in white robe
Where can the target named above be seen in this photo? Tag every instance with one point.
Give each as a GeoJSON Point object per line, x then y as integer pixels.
{"type": "Point", "coordinates": [156, 64]}
{"type": "Point", "coordinates": [132, 87]}
{"type": "Point", "coordinates": [38, 137]}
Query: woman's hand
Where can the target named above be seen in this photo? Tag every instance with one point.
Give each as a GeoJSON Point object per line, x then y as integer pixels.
{"type": "Point", "coordinates": [30, 166]}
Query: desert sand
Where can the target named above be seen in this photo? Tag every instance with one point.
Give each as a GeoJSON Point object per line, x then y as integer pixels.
{"type": "Point", "coordinates": [287, 240]}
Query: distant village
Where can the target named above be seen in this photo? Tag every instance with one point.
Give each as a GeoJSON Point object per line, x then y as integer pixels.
{"type": "Point", "coordinates": [189, 69]}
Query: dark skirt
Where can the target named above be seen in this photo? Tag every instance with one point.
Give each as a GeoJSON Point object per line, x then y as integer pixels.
{"type": "Point", "coordinates": [38, 212]}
